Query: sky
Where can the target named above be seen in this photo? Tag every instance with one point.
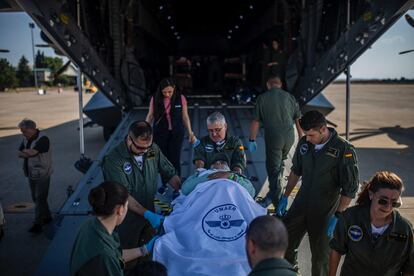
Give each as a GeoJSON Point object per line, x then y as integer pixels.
{"type": "Point", "coordinates": [381, 61]}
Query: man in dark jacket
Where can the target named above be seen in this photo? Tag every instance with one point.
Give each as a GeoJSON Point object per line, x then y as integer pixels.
{"type": "Point", "coordinates": [266, 243]}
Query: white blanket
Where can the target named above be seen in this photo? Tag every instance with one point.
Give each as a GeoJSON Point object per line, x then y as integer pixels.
{"type": "Point", "coordinates": [205, 234]}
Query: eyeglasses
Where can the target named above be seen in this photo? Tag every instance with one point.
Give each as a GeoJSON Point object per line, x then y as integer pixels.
{"type": "Point", "coordinates": [214, 130]}
{"type": "Point", "coordinates": [386, 202]}
{"type": "Point", "coordinates": [137, 146]}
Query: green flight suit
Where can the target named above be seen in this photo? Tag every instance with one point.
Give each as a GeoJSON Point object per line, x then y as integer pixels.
{"type": "Point", "coordinates": [95, 251]}
{"type": "Point", "coordinates": [391, 254]}
{"type": "Point", "coordinates": [119, 165]}
{"type": "Point", "coordinates": [277, 111]}
{"type": "Point", "coordinates": [273, 266]}
{"type": "Point", "coordinates": [233, 148]}
{"type": "Point", "coordinates": [326, 175]}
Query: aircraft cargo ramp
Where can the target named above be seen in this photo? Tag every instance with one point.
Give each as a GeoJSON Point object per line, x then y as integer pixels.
{"type": "Point", "coordinates": [77, 209]}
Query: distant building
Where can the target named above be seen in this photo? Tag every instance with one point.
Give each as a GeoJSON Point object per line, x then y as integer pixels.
{"type": "Point", "coordinates": [44, 75]}
{"type": "Point", "coordinates": [69, 71]}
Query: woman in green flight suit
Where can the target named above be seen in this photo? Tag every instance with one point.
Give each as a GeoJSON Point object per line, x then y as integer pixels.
{"type": "Point", "coordinates": [375, 238]}
{"type": "Point", "coordinates": [97, 249]}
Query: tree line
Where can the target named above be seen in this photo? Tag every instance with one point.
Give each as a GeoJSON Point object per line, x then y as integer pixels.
{"type": "Point", "coordinates": [22, 75]}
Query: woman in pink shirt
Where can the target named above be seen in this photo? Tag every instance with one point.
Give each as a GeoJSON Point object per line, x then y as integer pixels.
{"type": "Point", "coordinates": [169, 115]}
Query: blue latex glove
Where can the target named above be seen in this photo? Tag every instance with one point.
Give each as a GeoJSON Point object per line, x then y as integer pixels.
{"type": "Point", "coordinates": [196, 143]}
{"type": "Point", "coordinates": [150, 244]}
{"type": "Point", "coordinates": [154, 219]}
{"type": "Point", "coordinates": [281, 207]}
{"type": "Point", "coordinates": [252, 146]}
{"type": "Point", "coordinates": [175, 194]}
{"type": "Point", "coordinates": [331, 226]}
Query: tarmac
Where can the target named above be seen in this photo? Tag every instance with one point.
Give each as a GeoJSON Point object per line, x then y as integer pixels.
{"type": "Point", "coordinates": [382, 129]}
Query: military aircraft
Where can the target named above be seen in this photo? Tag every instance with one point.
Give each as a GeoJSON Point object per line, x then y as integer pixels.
{"type": "Point", "coordinates": [126, 47]}
{"type": "Point", "coordinates": [410, 21]}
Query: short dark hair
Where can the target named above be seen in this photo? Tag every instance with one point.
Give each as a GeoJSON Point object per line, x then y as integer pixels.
{"type": "Point", "coordinates": [105, 197]}
{"type": "Point", "coordinates": [312, 119]}
{"type": "Point", "coordinates": [274, 81]}
{"type": "Point", "coordinates": [141, 129]}
{"type": "Point", "coordinates": [150, 268]}
{"type": "Point", "coordinates": [268, 233]}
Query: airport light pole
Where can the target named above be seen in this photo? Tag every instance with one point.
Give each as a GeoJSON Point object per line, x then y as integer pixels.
{"type": "Point", "coordinates": [80, 91]}
{"type": "Point", "coordinates": [32, 25]}
{"type": "Point", "coordinates": [348, 76]}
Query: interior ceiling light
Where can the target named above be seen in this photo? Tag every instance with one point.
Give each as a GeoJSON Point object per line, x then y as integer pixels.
{"type": "Point", "coordinates": [241, 17]}
{"type": "Point", "coordinates": [251, 7]}
{"type": "Point", "coordinates": [172, 27]}
{"type": "Point", "coordinates": [178, 37]}
{"type": "Point", "coordinates": [236, 27]}
{"type": "Point", "coordinates": [175, 33]}
{"type": "Point", "coordinates": [230, 31]}
{"type": "Point", "coordinates": [169, 17]}
{"type": "Point", "coordinates": [229, 36]}
{"type": "Point", "coordinates": [161, 7]}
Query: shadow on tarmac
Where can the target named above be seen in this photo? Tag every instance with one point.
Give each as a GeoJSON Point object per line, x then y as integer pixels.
{"type": "Point", "coordinates": [21, 252]}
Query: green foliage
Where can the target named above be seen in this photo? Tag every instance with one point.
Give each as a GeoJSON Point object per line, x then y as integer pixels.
{"type": "Point", "coordinates": [63, 80]}
{"type": "Point", "coordinates": [24, 73]}
{"type": "Point", "coordinates": [53, 63]}
{"type": "Point", "coordinates": [40, 60]}
{"type": "Point", "coordinates": [8, 77]}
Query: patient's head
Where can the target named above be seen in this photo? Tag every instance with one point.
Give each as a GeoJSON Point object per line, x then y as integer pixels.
{"type": "Point", "coordinates": [220, 162]}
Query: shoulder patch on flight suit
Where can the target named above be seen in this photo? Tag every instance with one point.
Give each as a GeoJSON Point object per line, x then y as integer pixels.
{"type": "Point", "coordinates": [150, 154]}
{"type": "Point", "coordinates": [303, 149]}
{"type": "Point", "coordinates": [127, 167]}
{"type": "Point", "coordinates": [397, 236]}
{"type": "Point", "coordinates": [355, 233]}
{"type": "Point", "coordinates": [178, 105]}
{"type": "Point", "coordinates": [209, 148]}
{"type": "Point", "coordinates": [333, 152]}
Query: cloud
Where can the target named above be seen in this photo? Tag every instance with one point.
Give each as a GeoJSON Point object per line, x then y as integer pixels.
{"type": "Point", "coordinates": [391, 40]}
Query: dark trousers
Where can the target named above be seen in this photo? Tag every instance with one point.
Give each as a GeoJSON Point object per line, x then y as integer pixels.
{"type": "Point", "coordinates": [278, 144]}
{"type": "Point", "coordinates": [297, 226]}
{"type": "Point", "coordinates": [40, 189]}
{"type": "Point", "coordinates": [170, 143]}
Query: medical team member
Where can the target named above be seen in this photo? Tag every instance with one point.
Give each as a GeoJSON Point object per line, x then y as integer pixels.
{"type": "Point", "coordinates": [218, 142]}
{"type": "Point", "coordinates": [136, 163]}
{"type": "Point", "coordinates": [169, 113]}
{"type": "Point", "coordinates": [327, 164]}
{"type": "Point", "coordinates": [373, 236]}
{"type": "Point", "coordinates": [277, 110]}
{"type": "Point", "coordinates": [97, 250]}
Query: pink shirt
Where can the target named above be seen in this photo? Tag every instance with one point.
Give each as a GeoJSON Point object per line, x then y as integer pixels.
{"type": "Point", "coordinates": [167, 106]}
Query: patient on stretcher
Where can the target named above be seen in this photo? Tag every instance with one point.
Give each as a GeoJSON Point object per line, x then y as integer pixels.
{"type": "Point", "coordinates": [219, 169]}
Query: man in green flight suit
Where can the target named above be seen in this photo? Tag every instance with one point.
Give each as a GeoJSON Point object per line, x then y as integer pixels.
{"type": "Point", "coordinates": [135, 163]}
{"type": "Point", "coordinates": [218, 141]}
{"type": "Point", "coordinates": [266, 243]}
{"type": "Point", "coordinates": [327, 164]}
{"type": "Point", "coordinates": [277, 110]}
